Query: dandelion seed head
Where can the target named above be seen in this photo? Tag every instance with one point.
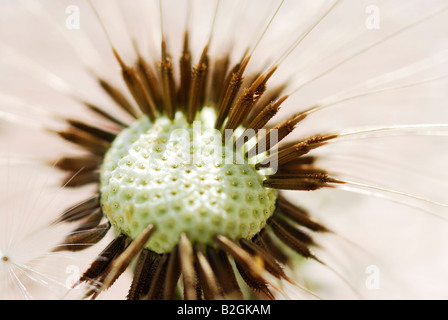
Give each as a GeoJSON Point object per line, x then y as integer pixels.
{"type": "Point", "coordinates": [131, 159]}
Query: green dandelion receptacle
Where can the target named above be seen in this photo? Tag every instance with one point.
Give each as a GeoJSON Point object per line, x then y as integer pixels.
{"type": "Point", "coordinates": [177, 178]}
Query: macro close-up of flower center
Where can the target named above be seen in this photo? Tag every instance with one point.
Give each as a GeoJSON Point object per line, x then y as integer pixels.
{"type": "Point", "coordinates": [187, 184]}
{"type": "Point", "coordinates": [165, 174]}
{"type": "Point", "coordinates": [224, 149]}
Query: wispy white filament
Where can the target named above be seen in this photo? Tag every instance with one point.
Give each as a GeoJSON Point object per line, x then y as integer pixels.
{"type": "Point", "coordinates": [81, 45]}
{"type": "Point", "coordinates": [436, 129]}
{"type": "Point", "coordinates": [373, 45]}
{"type": "Point", "coordinates": [434, 208]}
{"type": "Point", "coordinates": [26, 65]}
{"type": "Point", "coordinates": [411, 70]}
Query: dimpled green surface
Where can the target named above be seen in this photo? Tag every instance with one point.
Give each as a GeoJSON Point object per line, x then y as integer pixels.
{"type": "Point", "coordinates": [176, 177]}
